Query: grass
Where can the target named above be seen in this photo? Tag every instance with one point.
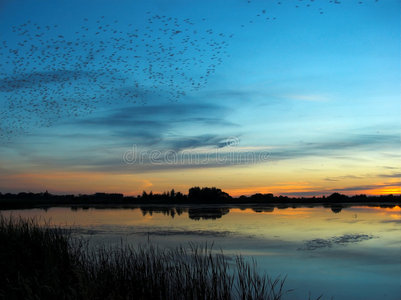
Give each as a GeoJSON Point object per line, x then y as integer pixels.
{"type": "Point", "coordinates": [45, 262]}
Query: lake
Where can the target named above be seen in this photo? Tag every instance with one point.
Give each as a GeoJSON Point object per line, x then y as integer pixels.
{"type": "Point", "coordinates": [340, 252]}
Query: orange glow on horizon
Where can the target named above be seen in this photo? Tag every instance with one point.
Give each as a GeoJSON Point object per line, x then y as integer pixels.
{"type": "Point", "coordinates": [133, 184]}
{"type": "Point", "coordinates": [287, 188]}
{"type": "Point", "coordinates": [394, 190]}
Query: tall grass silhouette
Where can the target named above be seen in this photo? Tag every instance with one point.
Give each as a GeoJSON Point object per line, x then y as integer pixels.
{"type": "Point", "coordinates": [46, 262]}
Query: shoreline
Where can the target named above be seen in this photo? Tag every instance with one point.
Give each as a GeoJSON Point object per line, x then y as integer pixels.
{"type": "Point", "coordinates": [187, 205]}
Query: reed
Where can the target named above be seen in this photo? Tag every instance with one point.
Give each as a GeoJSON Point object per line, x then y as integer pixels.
{"type": "Point", "coordinates": [46, 262]}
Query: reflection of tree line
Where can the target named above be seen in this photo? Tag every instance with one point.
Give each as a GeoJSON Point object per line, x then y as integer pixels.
{"type": "Point", "coordinates": [336, 208]}
{"type": "Point", "coordinates": [167, 211]}
{"type": "Point", "coordinates": [213, 213]}
{"type": "Point", "coordinates": [201, 213]}
{"type": "Point", "coordinates": [263, 209]}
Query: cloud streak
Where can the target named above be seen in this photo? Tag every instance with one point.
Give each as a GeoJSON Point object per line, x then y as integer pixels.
{"type": "Point", "coordinates": [155, 125]}
{"type": "Point", "coordinates": [145, 149]}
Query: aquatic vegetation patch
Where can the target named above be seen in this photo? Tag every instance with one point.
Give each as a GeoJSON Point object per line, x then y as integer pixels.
{"type": "Point", "coordinates": [335, 240]}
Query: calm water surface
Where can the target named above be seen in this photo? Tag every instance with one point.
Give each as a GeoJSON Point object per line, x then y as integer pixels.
{"type": "Point", "coordinates": [353, 253]}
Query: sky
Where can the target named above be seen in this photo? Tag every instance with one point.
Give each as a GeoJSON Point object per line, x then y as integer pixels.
{"type": "Point", "coordinates": [291, 97]}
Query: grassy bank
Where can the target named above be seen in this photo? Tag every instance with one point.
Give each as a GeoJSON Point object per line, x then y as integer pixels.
{"type": "Point", "coordinates": [47, 263]}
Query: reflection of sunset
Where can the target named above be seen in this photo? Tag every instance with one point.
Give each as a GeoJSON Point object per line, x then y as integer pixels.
{"type": "Point", "coordinates": [395, 208]}
{"type": "Point", "coordinates": [389, 211]}
{"type": "Point", "coordinates": [283, 240]}
{"type": "Point", "coordinates": [379, 208]}
{"type": "Point", "coordinates": [290, 224]}
{"type": "Point", "coordinates": [277, 211]}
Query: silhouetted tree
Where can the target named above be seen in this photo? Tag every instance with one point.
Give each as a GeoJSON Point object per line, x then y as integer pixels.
{"type": "Point", "coordinates": [337, 197]}
{"type": "Point", "coordinates": [206, 194]}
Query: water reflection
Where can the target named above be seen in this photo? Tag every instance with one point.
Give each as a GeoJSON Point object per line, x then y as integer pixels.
{"type": "Point", "coordinates": [336, 208]}
{"type": "Point", "coordinates": [341, 251]}
{"type": "Point", "coordinates": [265, 209]}
{"type": "Point", "coordinates": [194, 213]}
{"type": "Point", "coordinates": [207, 213]}
{"type": "Point", "coordinates": [167, 211]}
{"type": "Point", "coordinates": [200, 212]}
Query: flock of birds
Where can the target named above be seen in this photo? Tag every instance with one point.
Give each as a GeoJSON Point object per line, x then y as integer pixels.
{"type": "Point", "coordinates": [46, 76]}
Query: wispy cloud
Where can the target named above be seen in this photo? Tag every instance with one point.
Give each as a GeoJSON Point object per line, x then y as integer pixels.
{"type": "Point", "coordinates": [153, 125]}
{"type": "Point", "coordinates": [338, 178]}
{"type": "Point", "coordinates": [368, 187]}
{"type": "Point", "coordinates": [343, 146]}
{"type": "Point", "coordinates": [393, 175]}
{"type": "Point", "coordinates": [160, 151]}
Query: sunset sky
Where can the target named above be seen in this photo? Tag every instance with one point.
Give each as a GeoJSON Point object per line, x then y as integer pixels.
{"type": "Point", "coordinates": [287, 97]}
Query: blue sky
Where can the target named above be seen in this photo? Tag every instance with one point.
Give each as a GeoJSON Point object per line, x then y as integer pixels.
{"type": "Point", "coordinates": [308, 94]}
